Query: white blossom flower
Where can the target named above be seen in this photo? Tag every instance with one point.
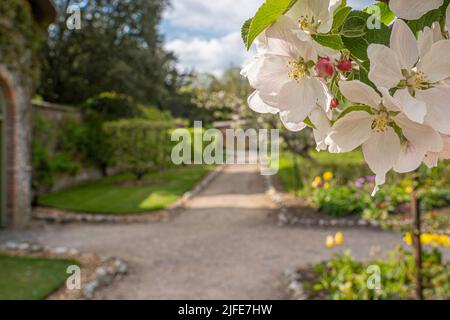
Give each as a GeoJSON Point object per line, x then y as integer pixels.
{"type": "Point", "coordinates": [283, 75]}
{"type": "Point", "coordinates": [413, 9]}
{"type": "Point", "coordinates": [428, 36]}
{"type": "Point", "coordinates": [376, 132]}
{"type": "Point", "coordinates": [314, 16]}
{"type": "Point", "coordinates": [322, 126]}
{"type": "Point", "coordinates": [431, 158]}
{"type": "Point", "coordinates": [417, 73]}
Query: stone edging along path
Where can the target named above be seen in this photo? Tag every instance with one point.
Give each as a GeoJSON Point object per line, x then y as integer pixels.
{"type": "Point", "coordinates": [62, 216]}
{"type": "Point", "coordinates": [96, 271]}
{"type": "Point", "coordinates": [286, 218]}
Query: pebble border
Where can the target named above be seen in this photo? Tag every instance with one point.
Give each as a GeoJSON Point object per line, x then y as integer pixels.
{"type": "Point", "coordinates": [109, 270]}
{"type": "Point", "coordinates": [60, 216]}
{"type": "Point", "coordinates": [294, 285]}
{"type": "Point", "coordinates": [285, 218]}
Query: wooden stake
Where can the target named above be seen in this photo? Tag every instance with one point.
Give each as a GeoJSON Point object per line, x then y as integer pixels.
{"type": "Point", "coordinates": [416, 215]}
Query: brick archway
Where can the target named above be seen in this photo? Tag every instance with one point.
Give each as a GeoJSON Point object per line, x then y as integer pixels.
{"type": "Point", "coordinates": [7, 155]}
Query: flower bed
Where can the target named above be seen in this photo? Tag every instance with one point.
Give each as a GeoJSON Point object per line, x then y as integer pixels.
{"type": "Point", "coordinates": [344, 278]}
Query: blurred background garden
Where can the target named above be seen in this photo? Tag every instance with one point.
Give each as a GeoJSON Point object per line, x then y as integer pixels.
{"type": "Point", "coordinates": [101, 104]}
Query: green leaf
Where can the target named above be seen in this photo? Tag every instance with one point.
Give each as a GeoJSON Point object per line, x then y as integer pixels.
{"type": "Point", "coordinates": [309, 123]}
{"type": "Point", "coordinates": [353, 109]}
{"type": "Point", "coordinates": [245, 29]}
{"type": "Point", "coordinates": [333, 41]}
{"type": "Point", "coordinates": [339, 17]}
{"type": "Point", "coordinates": [426, 21]}
{"type": "Point", "coordinates": [267, 14]}
{"type": "Point", "coordinates": [386, 15]}
{"type": "Point", "coordinates": [357, 46]}
{"type": "Point", "coordinates": [355, 25]}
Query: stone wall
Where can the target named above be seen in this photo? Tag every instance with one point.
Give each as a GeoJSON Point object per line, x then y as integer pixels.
{"type": "Point", "coordinates": [22, 31]}
{"type": "Point", "coordinates": [57, 114]}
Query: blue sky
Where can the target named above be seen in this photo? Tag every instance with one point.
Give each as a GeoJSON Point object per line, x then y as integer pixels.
{"type": "Point", "coordinates": [205, 35]}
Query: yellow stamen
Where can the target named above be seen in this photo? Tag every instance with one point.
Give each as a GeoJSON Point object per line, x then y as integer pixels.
{"type": "Point", "coordinates": [297, 70]}
{"type": "Point", "coordinates": [381, 122]}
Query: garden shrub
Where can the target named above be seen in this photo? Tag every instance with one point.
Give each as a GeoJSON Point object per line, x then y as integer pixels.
{"type": "Point", "coordinates": [107, 106]}
{"type": "Point", "coordinates": [138, 145]}
{"type": "Point", "coordinates": [339, 201]}
{"type": "Point", "coordinates": [344, 278]}
{"type": "Point", "coordinates": [53, 150]}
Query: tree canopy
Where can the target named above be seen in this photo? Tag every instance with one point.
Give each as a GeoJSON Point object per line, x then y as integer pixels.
{"type": "Point", "coordinates": [118, 48]}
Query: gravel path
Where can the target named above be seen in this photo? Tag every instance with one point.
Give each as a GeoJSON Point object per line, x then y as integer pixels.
{"type": "Point", "coordinates": [223, 246]}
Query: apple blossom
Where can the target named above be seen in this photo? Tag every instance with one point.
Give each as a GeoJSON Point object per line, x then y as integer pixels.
{"type": "Point", "coordinates": [374, 129]}
{"type": "Point", "coordinates": [345, 65]}
{"type": "Point", "coordinates": [314, 16]}
{"type": "Point", "coordinates": [283, 75]}
{"type": "Point", "coordinates": [304, 70]}
{"type": "Point", "coordinates": [431, 158]}
{"type": "Point", "coordinates": [324, 67]}
{"type": "Point", "coordinates": [413, 9]}
{"type": "Point", "coordinates": [418, 78]}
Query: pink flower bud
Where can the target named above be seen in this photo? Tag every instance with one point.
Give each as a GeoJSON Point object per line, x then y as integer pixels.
{"type": "Point", "coordinates": [345, 65]}
{"type": "Point", "coordinates": [324, 67]}
{"type": "Point", "coordinates": [334, 103]}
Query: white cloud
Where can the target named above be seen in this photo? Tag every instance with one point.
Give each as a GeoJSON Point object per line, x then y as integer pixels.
{"type": "Point", "coordinates": [209, 55]}
{"type": "Point", "coordinates": [222, 16]}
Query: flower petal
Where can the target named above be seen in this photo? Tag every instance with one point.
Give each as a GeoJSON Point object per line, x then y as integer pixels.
{"type": "Point", "coordinates": [438, 108]}
{"type": "Point", "coordinates": [257, 104]}
{"type": "Point", "coordinates": [385, 69]}
{"type": "Point", "coordinates": [428, 36]}
{"type": "Point", "coordinates": [300, 98]}
{"type": "Point", "coordinates": [350, 132]}
{"type": "Point", "coordinates": [404, 43]}
{"type": "Point", "coordinates": [420, 135]}
{"type": "Point", "coordinates": [381, 152]}
{"type": "Point", "coordinates": [436, 63]}
{"type": "Point", "coordinates": [388, 101]}
{"type": "Point", "coordinates": [413, 108]}
{"type": "Point", "coordinates": [323, 127]}
{"type": "Point", "coordinates": [360, 92]}
{"type": "Point", "coordinates": [410, 158]}
{"type": "Point", "coordinates": [426, 40]}
{"type": "Point", "coordinates": [285, 117]}
{"type": "Point", "coordinates": [269, 73]}
{"type": "Point", "coordinates": [413, 9]}
{"type": "Point", "coordinates": [282, 39]}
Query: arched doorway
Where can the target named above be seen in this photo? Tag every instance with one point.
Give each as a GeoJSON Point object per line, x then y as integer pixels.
{"type": "Point", "coordinates": [2, 158]}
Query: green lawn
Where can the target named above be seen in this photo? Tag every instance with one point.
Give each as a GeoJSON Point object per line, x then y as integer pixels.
{"type": "Point", "coordinates": [31, 278]}
{"type": "Point", "coordinates": [345, 167]}
{"type": "Point", "coordinates": [107, 196]}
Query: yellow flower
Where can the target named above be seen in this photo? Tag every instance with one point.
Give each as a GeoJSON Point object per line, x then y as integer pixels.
{"type": "Point", "coordinates": [314, 185]}
{"type": "Point", "coordinates": [330, 242]}
{"type": "Point", "coordinates": [326, 186]}
{"type": "Point", "coordinates": [339, 238]}
{"type": "Point", "coordinates": [408, 238]}
{"type": "Point", "coordinates": [426, 238]}
{"type": "Point", "coordinates": [409, 189]}
{"type": "Point", "coordinates": [318, 180]}
{"type": "Point", "coordinates": [328, 176]}
{"type": "Point", "coordinates": [444, 240]}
